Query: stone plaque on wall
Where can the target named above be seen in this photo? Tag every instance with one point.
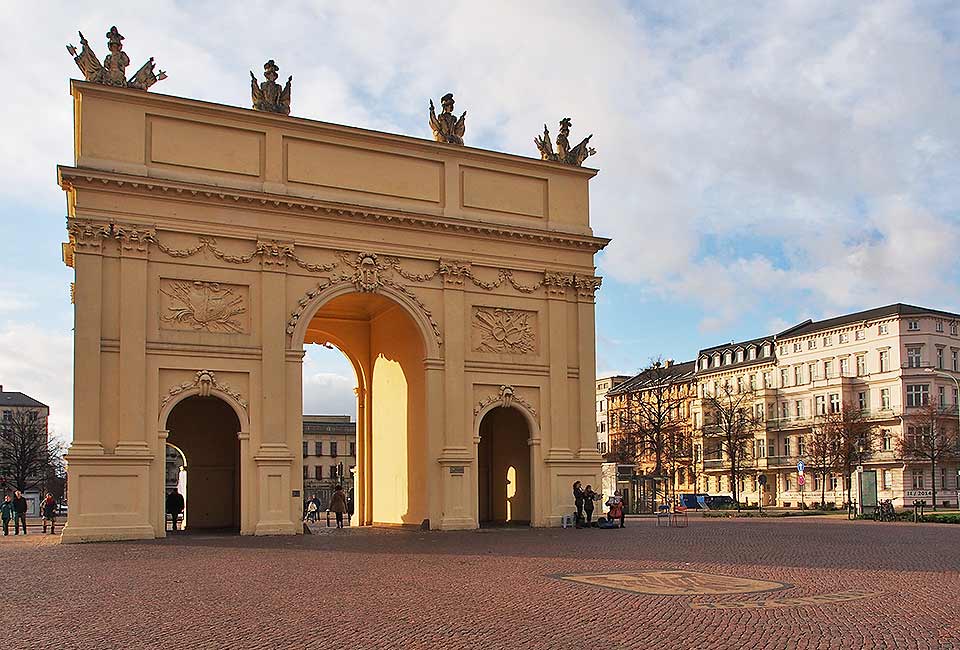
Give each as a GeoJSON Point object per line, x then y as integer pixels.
{"type": "Point", "coordinates": [504, 331]}
{"type": "Point", "coordinates": [200, 306]}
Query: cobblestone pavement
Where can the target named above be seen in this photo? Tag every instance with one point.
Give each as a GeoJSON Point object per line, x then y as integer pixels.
{"type": "Point", "coordinates": [373, 588]}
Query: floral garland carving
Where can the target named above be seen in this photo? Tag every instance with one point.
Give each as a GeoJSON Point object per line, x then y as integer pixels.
{"type": "Point", "coordinates": [205, 382]}
{"type": "Point", "coordinates": [507, 395]}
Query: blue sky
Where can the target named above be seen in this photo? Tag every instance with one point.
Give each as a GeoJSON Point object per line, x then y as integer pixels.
{"type": "Point", "coordinates": [760, 162]}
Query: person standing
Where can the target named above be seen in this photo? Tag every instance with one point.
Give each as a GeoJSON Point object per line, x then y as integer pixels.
{"type": "Point", "coordinates": [6, 512]}
{"type": "Point", "coordinates": [175, 506]}
{"type": "Point", "coordinates": [578, 501]}
{"type": "Point", "coordinates": [338, 504]}
{"type": "Point", "coordinates": [48, 511]}
{"type": "Point", "coordinates": [19, 512]}
{"type": "Point", "coordinates": [588, 498]}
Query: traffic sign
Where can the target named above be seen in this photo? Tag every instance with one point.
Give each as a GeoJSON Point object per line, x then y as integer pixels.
{"type": "Point", "coordinates": [801, 479]}
{"type": "Point", "coordinates": [800, 466]}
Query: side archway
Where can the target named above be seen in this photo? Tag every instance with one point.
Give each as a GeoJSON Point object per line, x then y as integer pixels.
{"type": "Point", "coordinates": [506, 439]}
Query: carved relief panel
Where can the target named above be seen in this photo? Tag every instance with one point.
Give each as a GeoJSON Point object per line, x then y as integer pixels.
{"type": "Point", "coordinates": [504, 331]}
{"type": "Point", "coordinates": [198, 306]}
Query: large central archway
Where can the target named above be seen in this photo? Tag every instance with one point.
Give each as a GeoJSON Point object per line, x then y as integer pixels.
{"type": "Point", "coordinates": [386, 347]}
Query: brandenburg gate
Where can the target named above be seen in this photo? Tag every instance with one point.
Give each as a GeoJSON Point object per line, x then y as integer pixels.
{"type": "Point", "coordinates": [210, 244]}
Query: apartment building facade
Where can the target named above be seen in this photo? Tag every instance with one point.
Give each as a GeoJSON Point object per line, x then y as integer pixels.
{"type": "Point", "coordinates": [329, 455]}
{"type": "Point", "coordinates": [886, 363]}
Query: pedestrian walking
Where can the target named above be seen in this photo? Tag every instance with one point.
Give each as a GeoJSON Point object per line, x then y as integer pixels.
{"type": "Point", "coordinates": [313, 508]}
{"type": "Point", "coordinates": [175, 506]}
{"type": "Point", "coordinates": [6, 512]}
{"type": "Point", "coordinates": [338, 504]}
{"type": "Point", "coordinates": [578, 501]}
{"type": "Point", "coordinates": [589, 496]}
{"type": "Point", "coordinates": [19, 512]}
{"type": "Point", "coordinates": [48, 511]}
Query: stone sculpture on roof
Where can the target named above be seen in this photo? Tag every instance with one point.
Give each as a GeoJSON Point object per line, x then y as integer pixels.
{"type": "Point", "coordinates": [269, 96]}
{"type": "Point", "coordinates": [446, 127]}
{"type": "Point", "coordinates": [113, 70]}
{"type": "Point", "coordinates": [564, 153]}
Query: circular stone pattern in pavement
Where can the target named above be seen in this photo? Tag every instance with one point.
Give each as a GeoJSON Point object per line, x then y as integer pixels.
{"type": "Point", "coordinates": [676, 582]}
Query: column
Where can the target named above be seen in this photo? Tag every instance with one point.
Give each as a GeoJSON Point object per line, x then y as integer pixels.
{"type": "Point", "coordinates": [559, 436]}
{"type": "Point", "coordinates": [132, 436]}
{"type": "Point", "coordinates": [88, 308]}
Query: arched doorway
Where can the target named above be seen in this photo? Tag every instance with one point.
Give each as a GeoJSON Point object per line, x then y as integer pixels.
{"type": "Point", "coordinates": [503, 475]}
{"type": "Point", "coordinates": [386, 348]}
{"type": "Point", "coordinates": [205, 430]}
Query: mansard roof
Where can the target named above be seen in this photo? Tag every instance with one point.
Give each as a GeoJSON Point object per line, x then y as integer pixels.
{"type": "Point", "coordinates": [674, 373]}
{"type": "Point", "coordinates": [14, 398]}
{"type": "Point", "coordinates": [896, 309]}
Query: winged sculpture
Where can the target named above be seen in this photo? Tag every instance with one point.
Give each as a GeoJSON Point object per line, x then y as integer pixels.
{"type": "Point", "coordinates": [564, 153]}
{"type": "Point", "coordinates": [446, 127]}
{"type": "Point", "coordinates": [113, 70]}
{"type": "Point", "coordinates": [269, 96]}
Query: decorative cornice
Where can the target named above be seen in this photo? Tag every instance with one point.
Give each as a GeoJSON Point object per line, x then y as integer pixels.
{"type": "Point", "coordinates": [72, 178]}
{"type": "Point", "coordinates": [205, 382]}
{"type": "Point", "coordinates": [506, 396]}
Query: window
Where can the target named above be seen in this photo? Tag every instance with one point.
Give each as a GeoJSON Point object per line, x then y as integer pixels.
{"type": "Point", "coordinates": [816, 483]}
{"type": "Point", "coordinates": [798, 375]}
{"type": "Point", "coordinates": [859, 335]}
{"type": "Point", "coordinates": [739, 384]}
{"type": "Point", "coordinates": [318, 472]}
{"type": "Point", "coordinates": [758, 412]}
{"type": "Point", "coordinates": [801, 445]}
{"type": "Point", "coordinates": [862, 400]}
{"type": "Point", "coordinates": [784, 410]}
{"type": "Point", "coordinates": [333, 449]}
{"type": "Point", "coordinates": [913, 356]}
{"type": "Point", "coordinates": [913, 325]}
{"type": "Point", "coordinates": [834, 402]}
{"type": "Point", "coordinates": [844, 338]}
{"type": "Point", "coordinates": [953, 360]}
{"type": "Point", "coordinates": [353, 449]}
{"type": "Point", "coordinates": [318, 448]}
{"type": "Point", "coordinates": [766, 349]}
{"type": "Point", "coordinates": [942, 396]}
{"type": "Point", "coordinates": [887, 479]}
{"type": "Point", "coordinates": [305, 472]}
{"type": "Point", "coordinates": [827, 369]}
{"type": "Point", "coordinates": [786, 446]}
{"type": "Point", "coordinates": [940, 358]}
{"type": "Point", "coordinates": [812, 344]}
{"type": "Point", "coordinates": [861, 365]}
{"type": "Point", "coordinates": [753, 353]}
{"type": "Point", "coordinates": [784, 377]}
{"type": "Point", "coordinates": [835, 483]}
{"type": "Point", "coordinates": [883, 328]}
{"type": "Point", "coordinates": [884, 360]}
{"type": "Point", "coordinates": [753, 382]}
{"type": "Point", "coordinates": [918, 394]}
{"type": "Point", "coordinates": [306, 450]}
{"type": "Point", "coordinates": [943, 478]}
{"type": "Point", "coordinates": [798, 408]}
{"type": "Point", "coordinates": [727, 358]}
{"type": "Point", "coordinates": [739, 356]}
{"type": "Point", "coordinates": [771, 448]}
{"type": "Point", "coordinates": [768, 377]}
{"type": "Point", "coordinates": [953, 329]}
{"type": "Point", "coordinates": [812, 371]}
{"type": "Point", "coordinates": [821, 404]}
{"type": "Point", "coordinates": [918, 481]}
{"type": "Point", "coordinates": [885, 398]}
{"type": "Point", "coordinates": [704, 363]}
{"type": "Point", "coordinates": [798, 347]}
{"type": "Point", "coordinates": [716, 360]}
{"type": "Point", "coordinates": [786, 484]}
{"type": "Point", "coordinates": [939, 326]}
{"type": "Point", "coordinates": [828, 341]}
{"type": "Point", "coordinates": [887, 440]}
{"type": "Point", "coordinates": [845, 367]}
{"type": "Point", "coordinates": [761, 448]}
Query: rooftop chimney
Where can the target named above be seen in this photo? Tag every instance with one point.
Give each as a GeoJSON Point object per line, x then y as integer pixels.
{"type": "Point", "coordinates": [668, 363]}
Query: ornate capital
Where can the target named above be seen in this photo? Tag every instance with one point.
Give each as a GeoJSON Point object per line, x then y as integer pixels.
{"type": "Point", "coordinates": [274, 254]}
{"type": "Point", "coordinates": [556, 283]}
{"type": "Point", "coordinates": [454, 271]}
{"type": "Point", "coordinates": [134, 239]}
{"type": "Point", "coordinates": [587, 286]}
{"type": "Point", "coordinates": [87, 236]}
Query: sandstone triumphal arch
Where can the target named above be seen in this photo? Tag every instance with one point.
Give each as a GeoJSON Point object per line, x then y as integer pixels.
{"type": "Point", "coordinates": [210, 243]}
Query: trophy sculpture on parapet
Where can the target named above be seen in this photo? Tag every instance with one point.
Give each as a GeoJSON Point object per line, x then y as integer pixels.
{"type": "Point", "coordinates": [269, 96]}
{"type": "Point", "coordinates": [113, 70]}
{"type": "Point", "coordinates": [564, 153]}
{"type": "Point", "coordinates": [446, 127]}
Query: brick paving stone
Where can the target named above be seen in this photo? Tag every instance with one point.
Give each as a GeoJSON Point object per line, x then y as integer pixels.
{"type": "Point", "coordinates": [388, 588]}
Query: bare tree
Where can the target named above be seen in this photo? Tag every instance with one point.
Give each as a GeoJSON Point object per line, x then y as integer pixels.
{"type": "Point", "coordinates": [650, 425]}
{"type": "Point", "coordinates": [822, 449]}
{"type": "Point", "coordinates": [28, 457]}
{"type": "Point", "coordinates": [932, 437]}
{"type": "Point", "coordinates": [854, 436]}
{"type": "Point", "coordinates": [730, 420]}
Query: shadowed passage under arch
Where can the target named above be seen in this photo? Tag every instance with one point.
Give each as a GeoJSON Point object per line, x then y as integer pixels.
{"type": "Point", "coordinates": [205, 430]}
{"type": "Point", "coordinates": [504, 468]}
